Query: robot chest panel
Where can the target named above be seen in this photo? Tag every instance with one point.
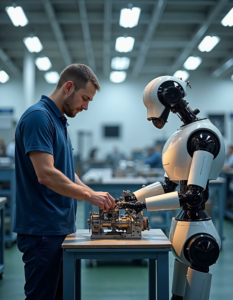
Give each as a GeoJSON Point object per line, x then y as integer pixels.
{"type": "Point", "coordinates": [175, 156]}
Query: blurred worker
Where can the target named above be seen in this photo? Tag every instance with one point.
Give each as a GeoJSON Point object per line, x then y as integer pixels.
{"type": "Point", "coordinates": [93, 154]}
{"type": "Point", "coordinates": [155, 158]}
{"type": "Point", "coordinates": [10, 149]}
{"type": "Point", "coordinates": [114, 157]}
{"type": "Point", "coordinates": [2, 146]}
{"type": "Point", "coordinates": [47, 187]}
{"type": "Point", "coordinates": [229, 161]}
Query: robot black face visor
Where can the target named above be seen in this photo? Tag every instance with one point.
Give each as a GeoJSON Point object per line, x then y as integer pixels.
{"type": "Point", "coordinates": [169, 93]}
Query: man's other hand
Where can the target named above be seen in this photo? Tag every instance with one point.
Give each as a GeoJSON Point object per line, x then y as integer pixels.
{"type": "Point", "coordinates": [103, 200]}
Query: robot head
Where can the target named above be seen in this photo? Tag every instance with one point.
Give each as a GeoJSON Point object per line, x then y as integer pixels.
{"type": "Point", "coordinates": [160, 95]}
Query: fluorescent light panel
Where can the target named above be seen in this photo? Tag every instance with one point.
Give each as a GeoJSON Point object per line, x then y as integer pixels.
{"type": "Point", "coordinates": [117, 77]}
{"type": "Point", "coordinates": [124, 44]}
{"type": "Point", "coordinates": [33, 44]}
{"type": "Point", "coordinates": [208, 43]}
{"type": "Point", "coordinates": [51, 77]}
{"type": "Point", "coordinates": [129, 17]}
{"type": "Point", "coordinates": [192, 62]}
{"type": "Point", "coordinates": [228, 19]}
{"type": "Point", "coordinates": [17, 15]}
{"type": "Point", "coordinates": [184, 75]}
{"type": "Point", "coordinates": [43, 63]}
{"type": "Point", "coordinates": [4, 77]}
{"type": "Point", "coordinates": [120, 63]}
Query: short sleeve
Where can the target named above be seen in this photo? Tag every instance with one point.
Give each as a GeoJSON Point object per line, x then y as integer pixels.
{"type": "Point", "coordinates": [37, 131]}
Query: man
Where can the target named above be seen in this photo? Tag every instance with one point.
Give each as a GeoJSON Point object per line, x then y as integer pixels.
{"type": "Point", "coordinates": [229, 162]}
{"type": "Point", "coordinates": [155, 159]}
{"type": "Point", "coordinates": [46, 184]}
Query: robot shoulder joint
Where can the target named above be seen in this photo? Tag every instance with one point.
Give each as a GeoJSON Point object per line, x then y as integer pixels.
{"type": "Point", "coordinates": [203, 139]}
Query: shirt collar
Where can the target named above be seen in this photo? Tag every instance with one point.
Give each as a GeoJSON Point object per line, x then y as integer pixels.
{"type": "Point", "coordinates": [52, 105]}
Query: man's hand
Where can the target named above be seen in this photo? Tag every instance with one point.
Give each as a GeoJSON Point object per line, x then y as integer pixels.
{"type": "Point", "coordinates": [103, 200]}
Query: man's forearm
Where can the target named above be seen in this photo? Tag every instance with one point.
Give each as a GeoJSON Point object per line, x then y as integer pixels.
{"type": "Point", "coordinates": [59, 183]}
{"type": "Point", "coordinates": [79, 182]}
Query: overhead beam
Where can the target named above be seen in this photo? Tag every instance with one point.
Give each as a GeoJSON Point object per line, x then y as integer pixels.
{"type": "Point", "coordinates": [198, 35]}
{"type": "Point", "coordinates": [107, 37]}
{"type": "Point", "coordinates": [57, 31]}
{"type": "Point", "coordinates": [225, 65]}
{"type": "Point", "coordinates": [9, 64]}
{"type": "Point", "coordinates": [156, 15]}
{"type": "Point", "coordinates": [136, 2]}
{"type": "Point", "coordinates": [156, 69]}
{"type": "Point", "coordinates": [86, 34]}
{"type": "Point", "coordinates": [98, 18]}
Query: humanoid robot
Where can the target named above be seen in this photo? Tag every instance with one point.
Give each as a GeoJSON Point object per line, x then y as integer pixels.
{"type": "Point", "coordinates": [191, 157]}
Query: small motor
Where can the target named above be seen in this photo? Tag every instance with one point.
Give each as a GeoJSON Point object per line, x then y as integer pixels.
{"type": "Point", "coordinates": [125, 226]}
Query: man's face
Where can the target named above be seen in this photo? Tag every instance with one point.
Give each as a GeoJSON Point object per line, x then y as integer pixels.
{"type": "Point", "coordinates": [78, 101]}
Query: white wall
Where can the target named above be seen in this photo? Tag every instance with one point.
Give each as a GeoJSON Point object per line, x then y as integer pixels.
{"type": "Point", "coordinates": [122, 104]}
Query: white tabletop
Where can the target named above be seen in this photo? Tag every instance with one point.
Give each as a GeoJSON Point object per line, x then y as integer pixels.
{"type": "Point", "coordinates": [154, 238]}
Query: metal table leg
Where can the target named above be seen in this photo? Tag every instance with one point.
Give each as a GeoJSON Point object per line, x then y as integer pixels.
{"type": "Point", "coordinates": [163, 278]}
{"type": "Point", "coordinates": [68, 275]}
{"type": "Point", "coordinates": [152, 279]}
{"type": "Point", "coordinates": [78, 279]}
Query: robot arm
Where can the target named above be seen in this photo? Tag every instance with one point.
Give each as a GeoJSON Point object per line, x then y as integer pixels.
{"type": "Point", "coordinates": [155, 189]}
{"type": "Point", "coordinates": [197, 182]}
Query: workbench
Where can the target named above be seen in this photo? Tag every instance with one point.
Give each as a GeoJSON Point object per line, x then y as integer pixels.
{"type": "Point", "coordinates": [154, 246]}
{"type": "Point", "coordinates": [102, 180]}
{"type": "Point", "coordinates": [2, 233]}
{"type": "Point", "coordinates": [7, 176]}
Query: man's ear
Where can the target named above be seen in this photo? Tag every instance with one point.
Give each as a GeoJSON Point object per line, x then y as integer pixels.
{"type": "Point", "coordinates": [68, 86]}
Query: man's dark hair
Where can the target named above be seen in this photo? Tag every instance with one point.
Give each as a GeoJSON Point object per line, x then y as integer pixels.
{"type": "Point", "coordinates": [79, 74]}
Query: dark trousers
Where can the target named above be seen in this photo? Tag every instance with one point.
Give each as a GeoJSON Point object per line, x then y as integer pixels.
{"type": "Point", "coordinates": [42, 256]}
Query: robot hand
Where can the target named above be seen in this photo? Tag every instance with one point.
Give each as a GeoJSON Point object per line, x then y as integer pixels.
{"type": "Point", "coordinates": [137, 206]}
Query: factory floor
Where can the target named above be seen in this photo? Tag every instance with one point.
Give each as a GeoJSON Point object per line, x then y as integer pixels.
{"type": "Point", "coordinates": [124, 280]}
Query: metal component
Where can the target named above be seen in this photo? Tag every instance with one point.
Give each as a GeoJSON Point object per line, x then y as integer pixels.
{"type": "Point", "coordinates": [188, 84]}
{"type": "Point", "coordinates": [128, 225]}
{"type": "Point", "coordinates": [57, 31]}
{"type": "Point", "coordinates": [9, 63]}
{"type": "Point", "coordinates": [156, 16]}
{"type": "Point", "coordinates": [86, 34]}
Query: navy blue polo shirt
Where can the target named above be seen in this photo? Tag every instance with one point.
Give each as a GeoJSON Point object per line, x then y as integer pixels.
{"type": "Point", "coordinates": [39, 210]}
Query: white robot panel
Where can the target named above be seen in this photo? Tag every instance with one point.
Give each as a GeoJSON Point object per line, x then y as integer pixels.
{"type": "Point", "coordinates": [176, 158]}
{"type": "Point", "coordinates": [181, 231]}
{"type": "Point", "coordinates": [155, 108]}
{"type": "Point", "coordinates": [193, 155]}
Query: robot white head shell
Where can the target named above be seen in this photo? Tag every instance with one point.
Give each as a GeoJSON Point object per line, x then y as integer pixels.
{"type": "Point", "coordinates": [160, 96]}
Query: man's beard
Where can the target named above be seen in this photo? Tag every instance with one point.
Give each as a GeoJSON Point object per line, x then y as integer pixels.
{"type": "Point", "coordinates": [68, 105]}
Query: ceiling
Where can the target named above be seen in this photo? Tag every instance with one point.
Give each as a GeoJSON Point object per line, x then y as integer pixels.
{"type": "Point", "coordinates": [82, 31]}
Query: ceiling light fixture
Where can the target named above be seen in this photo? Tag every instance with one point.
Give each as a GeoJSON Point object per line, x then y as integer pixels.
{"type": "Point", "coordinates": [228, 19]}
{"type": "Point", "coordinates": [120, 63]}
{"type": "Point", "coordinates": [33, 44]}
{"type": "Point", "coordinates": [17, 15]}
{"type": "Point", "coordinates": [124, 44]}
{"type": "Point", "coordinates": [208, 43]}
{"type": "Point", "coordinates": [51, 77]}
{"type": "Point", "coordinates": [117, 77]}
{"type": "Point", "coordinates": [4, 77]}
{"type": "Point", "coordinates": [182, 74]}
{"type": "Point", "coordinates": [43, 63]}
{"type": "Point", "coordinates": [192, 62]}
{"type": "Point", "coordinates": [129, 17]}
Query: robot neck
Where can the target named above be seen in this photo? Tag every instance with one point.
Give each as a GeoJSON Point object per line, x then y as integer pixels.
{"type": "Point", "coordinates": [186, 114]}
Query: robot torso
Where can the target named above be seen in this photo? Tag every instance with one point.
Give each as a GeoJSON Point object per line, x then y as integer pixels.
{"type": "Point", "coordinates": [176, 155]}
